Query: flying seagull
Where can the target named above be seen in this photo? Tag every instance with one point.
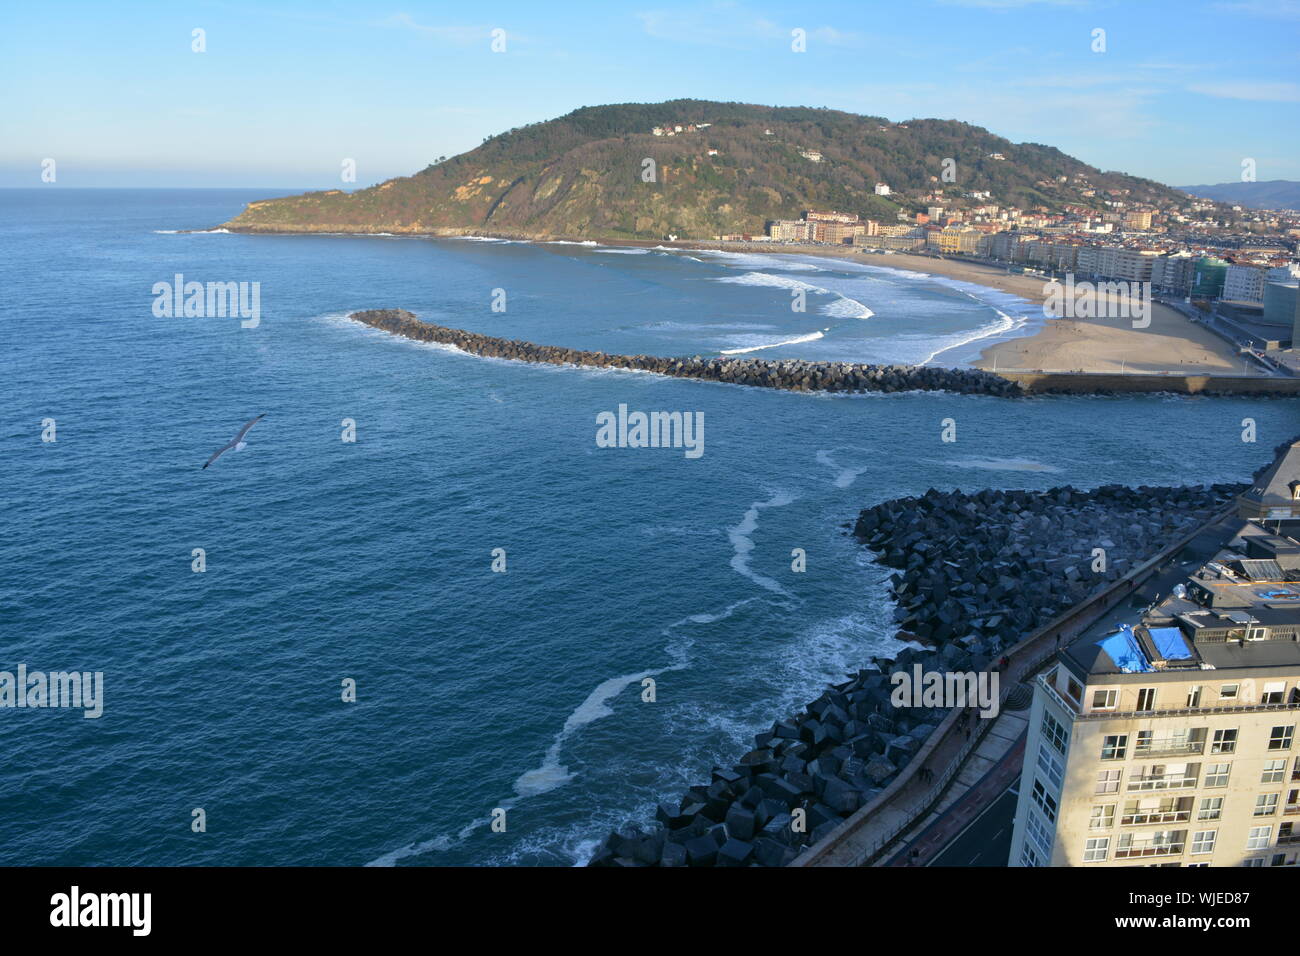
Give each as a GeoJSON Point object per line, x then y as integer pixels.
{"type": "Point", "coordinates": [237, 443]}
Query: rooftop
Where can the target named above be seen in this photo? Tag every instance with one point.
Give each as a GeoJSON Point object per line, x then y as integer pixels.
{"type": "Point", "coordinates": [1230, 600]}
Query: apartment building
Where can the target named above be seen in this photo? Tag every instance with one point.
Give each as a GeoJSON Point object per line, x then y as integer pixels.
{"type": "Point", "coordinates": [1244, 283]}
{"type": "Point", "coordinates": [1166, 735]}
{"type": "Point", "coordinates": [790, 230]}
{"type": "Point", "coordinates": [1138, 219]}
{"type": "Point", "coordinates": [954, 239]}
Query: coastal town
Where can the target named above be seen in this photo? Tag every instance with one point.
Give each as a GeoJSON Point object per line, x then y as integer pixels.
{"type": "Point", "coordinates": [1237, 277]}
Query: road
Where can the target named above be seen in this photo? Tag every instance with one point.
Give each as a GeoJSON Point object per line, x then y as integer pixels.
{"type": "Point", "coordinates": [987, 841]}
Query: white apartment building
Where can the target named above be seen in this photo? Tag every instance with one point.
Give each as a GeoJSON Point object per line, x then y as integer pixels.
{"type": "Point", "coordinates": [1244, 283]}
{"type": "Point", "coordinates": [1167, 736]}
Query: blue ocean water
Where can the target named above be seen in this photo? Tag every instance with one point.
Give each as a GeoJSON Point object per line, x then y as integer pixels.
{"type": "Point", "coordinates": [372, 560]}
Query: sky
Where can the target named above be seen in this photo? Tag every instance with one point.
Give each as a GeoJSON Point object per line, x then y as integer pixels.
{"type": "Point", "coordinates": [1182, 91]}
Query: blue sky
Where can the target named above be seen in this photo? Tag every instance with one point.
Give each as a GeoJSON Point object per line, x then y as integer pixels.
{"type": "Point", "coordinates": [285, 91]}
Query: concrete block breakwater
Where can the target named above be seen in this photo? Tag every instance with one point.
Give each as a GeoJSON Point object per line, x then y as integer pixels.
{"type": "Point", "coordinates": [789, 374]}
{"type": "Point", "coordinates": [974, 574]}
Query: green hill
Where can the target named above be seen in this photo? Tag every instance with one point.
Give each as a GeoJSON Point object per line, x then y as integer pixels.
{"type": "Point", "coordinates": [580, 176]}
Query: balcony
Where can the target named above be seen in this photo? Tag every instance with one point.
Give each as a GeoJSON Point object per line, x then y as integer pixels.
{"type": "Point", "coordinates": [1163, 782]}
{"type": "Point", "coordinates": [1169, 747]}
{"type": "Point", "coordinates": [1156, 816]}
{"type": "Point", "coordinates": [1164, 849]}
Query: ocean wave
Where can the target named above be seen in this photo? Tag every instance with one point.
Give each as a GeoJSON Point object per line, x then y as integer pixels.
{"type": "Point", "coordinates": [755, 260]}
{"type": "Point", "coordinates": [843, 307]}
{"type": "Point", "coordinates": [810, 337]}
{"type": "Point", "coordinates": [846, 308]}
{"type": "Point", "coordinates": [1000, 326]}
{"type": "Point", "coordinates": [630, 251]}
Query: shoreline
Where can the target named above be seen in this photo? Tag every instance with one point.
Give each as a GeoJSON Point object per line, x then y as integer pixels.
{"type": "Point", "coordinates": [1171, 344]}
{"type": "Point", "coordinates": [849, 751]}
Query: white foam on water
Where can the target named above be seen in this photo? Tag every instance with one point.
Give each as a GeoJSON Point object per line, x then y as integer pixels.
{"type": "Point", "coordinates": [755, 260]}
{"type": "Point", "coordinates": [670, 326]}
{"type": "Point", "coordinates": [742, 542]}
{"type": "Point", "coordinates": [630, 251]}
{"type": "Point", "coordinates": [844, 477]}
{"type": "Point", "coordinates": [846, 308]}
{"type": "Point", "coordinates": [552, 773]}
{"type": "Point", "coordinates": [570, 242]}
{"type": "Point", "coordinates": [1000, 326]}
{"type": "Point", "coordinates": [1003, 464]}
{"type": "Point", "coordinates": [811, 337]}
{"type": "Point", "coordinates": [843, 307]}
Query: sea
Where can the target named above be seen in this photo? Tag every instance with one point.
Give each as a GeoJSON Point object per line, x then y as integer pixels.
{"type": "Point", "coordinates": [471, 636]}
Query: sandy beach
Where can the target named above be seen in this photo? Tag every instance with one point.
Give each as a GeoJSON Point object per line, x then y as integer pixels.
{"type": "Point", "coordinates": [1170, 343]}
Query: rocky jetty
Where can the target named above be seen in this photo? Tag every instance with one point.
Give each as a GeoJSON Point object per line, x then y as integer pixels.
{"type": "Point", "coordinates": [789, 374]}
{"type": "Point", "coordinates": [975, 573]}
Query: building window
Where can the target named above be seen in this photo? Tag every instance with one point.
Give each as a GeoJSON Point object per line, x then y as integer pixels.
{"type": "Point", "coordinates": [1108, 781]}
{"type": "Point", "coordinates": [1074, 689]}
{"type": "Point", "coordinates": [1280, 738]}
{"type": "Point", "coordinates": [1295, 769]}
{"type": "Point", "coordinates": [1039, 834]}
{"type": "Point", "coordinates": [1265, 805]}
{"type": "Point", "coordinates": [1095, 849]}
{"type": "Point", "coordinates": [1102, 818]}
{"type": "Point", "coordinates": [1257, 861]}
{"type": "Point", "coordinates": [1028, 857]}
{"type": "Point", "coordinates": [1114, 746]}
{"type": "Point", "coordinates": [1147, 698]}
{"type": "Point", "coordinates": [1211, 809]}
{"type": "Point", "coordinates": [1258, 839]}
{"type": "Point", "coordinates": [1105, 699]}
{"type": "Point", "coordinates": [1194, 696]}
{"type": "Point", "coordinates": [1216, 774]}
{"type": "Point", "coordinates": [1055, 733]}
{"type": "Point", "coordinates": [1044, 800]}
{"type": "Point", "coordinates": [1274, 692]}
{"type": "Point", "coordinates": [1228, 692]}
{"type": "Point", "coordinates": [1224, 742]}
{"type": "Point", "coordinates": [1274, 771]}
{"type": "Point", "coordinates": [1051, 767]}
{"type": "Point", "coordinates": [1203, 841]}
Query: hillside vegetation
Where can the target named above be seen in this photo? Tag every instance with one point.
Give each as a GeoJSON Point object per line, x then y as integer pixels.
{"type": "Point", "coordinates": [580, 176]}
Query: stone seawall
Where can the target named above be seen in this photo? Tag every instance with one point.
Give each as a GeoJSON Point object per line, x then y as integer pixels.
{"type": "Point", "coordinates": [789, 374]}
{"type": "Point", "coordinates": [974, 574]}
{"type": "Point", "coordinates": [1101, 383]}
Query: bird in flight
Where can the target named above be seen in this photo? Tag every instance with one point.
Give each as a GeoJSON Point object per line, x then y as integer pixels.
{"type": "Point", "coordinates": [237, 443]}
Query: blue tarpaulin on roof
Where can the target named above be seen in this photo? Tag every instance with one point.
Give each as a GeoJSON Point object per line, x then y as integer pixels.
{"type": "Point", "coordinates": [1169, 642]}
{"type": "Point", "coordinates": [1124, 650]}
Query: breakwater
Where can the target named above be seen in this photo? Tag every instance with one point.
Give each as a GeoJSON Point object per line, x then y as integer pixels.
{"type": "Point", "coordinates": [1105, 383]}
{"type": "Point", "coordinates": [788, 374]}
{"type": "Point", "coordinates": [973, 574]}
